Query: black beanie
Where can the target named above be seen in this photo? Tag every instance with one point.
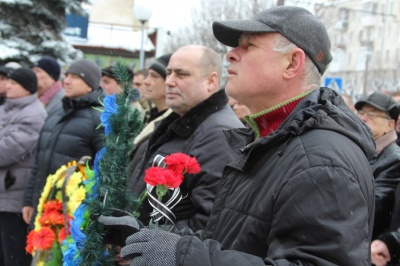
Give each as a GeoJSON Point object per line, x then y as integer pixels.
{"type": "Point", "coordinates": [160, 65]}
{"type": "Point", "coordinates": [25, 77]}
{"type": "Point", "coordinates": [5, 70]}
{"type": "Point", "coordinates": [50, 65]}
{"type": "Point", "coordinates": [110, 72]}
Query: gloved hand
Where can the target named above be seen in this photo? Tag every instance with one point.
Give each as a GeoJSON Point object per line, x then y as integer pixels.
{"type": "Point", "coordinates": [151, 247]}
{"type": "Point", "coordinates": [119, 226]}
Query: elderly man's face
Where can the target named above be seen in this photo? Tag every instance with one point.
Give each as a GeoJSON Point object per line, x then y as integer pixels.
{"type": "Point", "coordinates": [255, 71]}
{"type": "Point", "coordinates": [44, 80]}
{"type": "Point", "coordinates": [378, 121]}
{"type": "Point", "coordinates": [187, 84]}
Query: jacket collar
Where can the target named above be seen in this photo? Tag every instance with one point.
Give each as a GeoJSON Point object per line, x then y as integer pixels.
{"type": "Point", "coordinates": [187, 124]}
{"type": "Point", "coordinates": [385, 140]}
{"type": "Point", "coordinates": [91, 99]}
{"type": "Point", "coordinates": [19, 102]}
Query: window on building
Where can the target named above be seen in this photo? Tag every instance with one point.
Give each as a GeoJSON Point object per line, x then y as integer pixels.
{"type": "Point", "coordinates": [398, 35]}
{"type": "Point", "coordinates": [391, 11]}
{"type": "Point", "coordinates": [371, 34]}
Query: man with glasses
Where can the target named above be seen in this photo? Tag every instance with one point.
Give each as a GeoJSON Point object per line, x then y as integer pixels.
{"type": "Point", "coordinates": [379, 112]}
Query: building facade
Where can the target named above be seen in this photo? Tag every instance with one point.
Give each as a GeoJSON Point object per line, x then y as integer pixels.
{"type": "Point", "coordinates": [365, 37]}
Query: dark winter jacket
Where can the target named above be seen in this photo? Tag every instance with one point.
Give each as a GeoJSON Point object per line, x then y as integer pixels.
{"type": "Point", "coordinates": [386, 169]}
{"type": "Point", "coordinates": [69, 134]}
{"type": "Point", "coordinates": [392, 236]}
{"type": "Point", "coordinates": [21, 120]}
{"type": "Point", "coordinates": [303, 195]}
{"type": "Point", "coordinates": [199, 133]}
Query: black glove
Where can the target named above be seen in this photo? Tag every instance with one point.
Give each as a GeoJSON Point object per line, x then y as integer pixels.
{"type": "Point", "coordinates": [151, 247]}
{"type": "Point", "coordinates": [119, 226]}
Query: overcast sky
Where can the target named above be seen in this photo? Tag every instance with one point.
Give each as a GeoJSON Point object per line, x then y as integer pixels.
{"type": "Point", "coordinates": [170, 14]}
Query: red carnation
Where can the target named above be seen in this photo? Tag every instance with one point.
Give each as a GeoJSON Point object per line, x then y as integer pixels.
{"type": "Point", "coordinates": [181, 163]}
{"type": "Point", "coordinates": [158, 176]}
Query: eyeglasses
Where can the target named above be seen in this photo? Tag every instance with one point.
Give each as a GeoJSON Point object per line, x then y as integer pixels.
{"type": "Point", "coordinates": [371, 114]}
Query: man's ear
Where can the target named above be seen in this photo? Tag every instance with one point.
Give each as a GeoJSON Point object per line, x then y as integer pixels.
{"type": "Point", "coordinates": [391, 124]}
{"type": "Point", "coordinates": [296, 59]}
{"type": "Point", "coordinates": [212, 81]}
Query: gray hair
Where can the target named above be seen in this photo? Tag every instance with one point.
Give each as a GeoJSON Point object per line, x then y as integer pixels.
{"type": "Point", "coordinates": [312, 77]}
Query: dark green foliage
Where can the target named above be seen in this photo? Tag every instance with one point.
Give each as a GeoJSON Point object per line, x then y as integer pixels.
{"type": "Point", "coordinates": [32, 28]}
{"type": "Point", "coordinates": [126, 125]}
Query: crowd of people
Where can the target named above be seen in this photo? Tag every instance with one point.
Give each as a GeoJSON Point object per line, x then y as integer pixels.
{"type": "Point", "coordinates": [291, 173]}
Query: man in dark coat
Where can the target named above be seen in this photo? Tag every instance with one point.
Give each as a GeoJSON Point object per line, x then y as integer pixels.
{"type": "Point", "coordinates": [301, 190]}
{"type": "Point", "coordinates": [71, 132]}
{"type": "Point", "coordinates": [200, 114]}
{"type": "Point", "coordinates": [380, 112]}
{"type": "Point", "coordinates": [385, 249]}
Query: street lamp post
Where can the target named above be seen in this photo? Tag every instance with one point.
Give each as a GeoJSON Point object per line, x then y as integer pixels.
{"type": "Point", "coordinates": [142, 12]}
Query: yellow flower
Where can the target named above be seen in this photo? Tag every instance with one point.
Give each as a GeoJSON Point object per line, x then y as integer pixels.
{"type": "Point", "coordinates": [74, 181]}
{"type": "Point", "coordinates": [76, 199]}
{"type": "Point", "coordinates": [59, 195]}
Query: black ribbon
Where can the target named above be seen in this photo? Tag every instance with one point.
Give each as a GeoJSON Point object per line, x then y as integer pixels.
{"type": "Point", "coordinates": [160, 209]}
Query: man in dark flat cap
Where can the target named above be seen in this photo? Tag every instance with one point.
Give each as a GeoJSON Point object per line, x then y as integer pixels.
{"type": "Point", "coordinates": [301, 191]}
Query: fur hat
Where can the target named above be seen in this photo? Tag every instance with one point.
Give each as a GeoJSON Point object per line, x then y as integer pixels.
{"type": "Point", "coordinates": [50, 65]}
{"type": "Point", "coordinates": [88, 71]}
{"type": "Point", "coordinates": [25, 77]}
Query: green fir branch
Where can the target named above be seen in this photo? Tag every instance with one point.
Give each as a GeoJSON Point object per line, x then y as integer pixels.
{"type": "Point", "coordinates": [112, 188]}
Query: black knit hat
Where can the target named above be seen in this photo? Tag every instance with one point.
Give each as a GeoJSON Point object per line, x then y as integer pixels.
{"type": "Point", "coordinates": [25, 77]}
{"type": "Point", "coordinates": [380, 101]}
{"type": "Point", "coordinates": [5, 70]}
{"type": "Point", "coordinates": [50, 65]}
{"type": "Point", "coordinates": [160, 65]}
{"type": "Point", "coordinates": [87, 70]}
{"type": "Point", "coordinates": [109, 71]}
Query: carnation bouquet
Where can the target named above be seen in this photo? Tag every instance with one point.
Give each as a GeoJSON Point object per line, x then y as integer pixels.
{"type": "Point", "coordinates": [165, 177]}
